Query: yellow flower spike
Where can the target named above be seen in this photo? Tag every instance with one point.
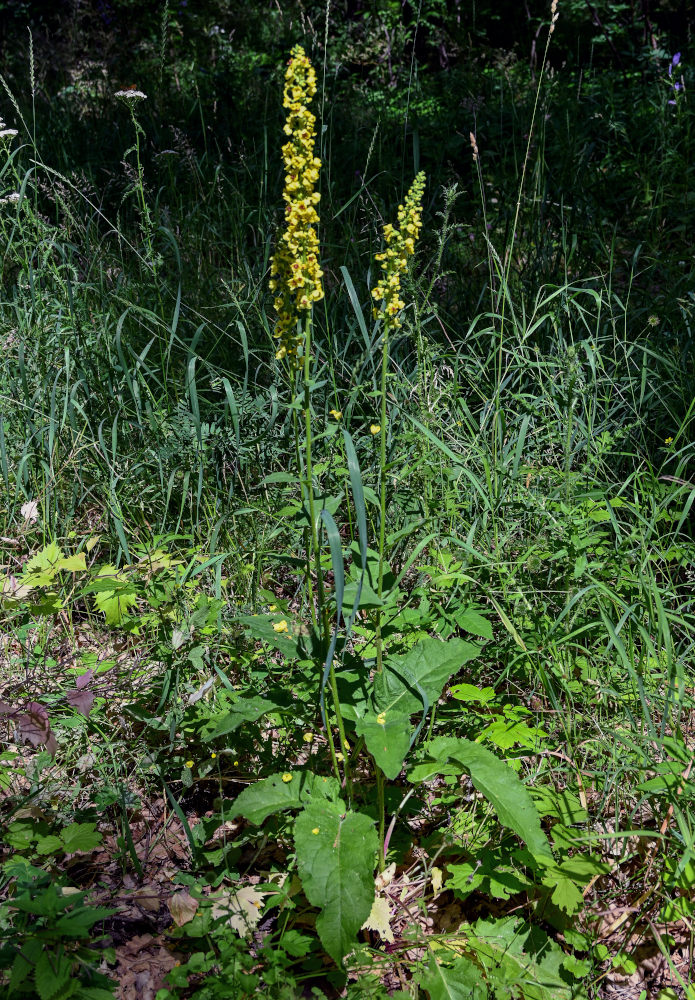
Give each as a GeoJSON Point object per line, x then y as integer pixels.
{"type": "Point", "coordinates": [287, 777]}
{"type": "Point", "coordinates": [280, 626]}
{"type": "Point", "coordinates": [294, 270]}
{"type": "Point", "coordinates": [400, 244]}
{"type": "Point", "coordinates": [374, 428]}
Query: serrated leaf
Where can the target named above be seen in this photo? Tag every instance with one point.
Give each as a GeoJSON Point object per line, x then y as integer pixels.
{"type": "Point", "coordinates": [240, 907]}
{"type": "Point", "coordinates": [336, 854]}
{"type": "Point", "coordinates": [459, 980]}
{"type": "Point", "coordinates": [379, 920]}
{"type": "Point", "coordinates": [117, 595]}
{"type": "Point", "coordinates": [430, 664]}
{"type": "Point", "coordinates": [46, 559]}
{"type": "Point", "coordinates": [387, 736]}
{"type": "Point", "coordinates": [272, 795]}
{"type": "Point", "coordinates": [503, 789]}
{"type": "Point", "coordinates": [51, 972]}
{"type": "Point", "coordinates": [78, 837]}
{"type": "Point", "coordinates": [48, 845]}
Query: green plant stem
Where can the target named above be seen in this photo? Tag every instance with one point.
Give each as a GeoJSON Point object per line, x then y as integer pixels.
{"type": "Point", "coordinates": [381, 804]}
{"type": "Point", "coordinates": [322, 610]}
{"type": "Point", "coordinates": [382, 495]}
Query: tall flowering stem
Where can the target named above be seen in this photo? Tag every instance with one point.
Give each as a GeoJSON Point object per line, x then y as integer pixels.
{"type": "Point", "coordinates": [295, 280]}
{"type": "Point", "coordinates": [400, 245]}
{"type": "Point", "coordinates": [295, 275]}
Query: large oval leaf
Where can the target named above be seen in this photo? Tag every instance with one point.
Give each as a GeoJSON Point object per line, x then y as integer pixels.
{"type": "Point", "coordinates": [336, 854]}
{"type": "Point", "coordinates": [278, 792]}
{"type": "Point", "coordinates": [430, 664]}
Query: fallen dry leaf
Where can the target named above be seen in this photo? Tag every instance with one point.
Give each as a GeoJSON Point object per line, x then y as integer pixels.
{"type": "Point", "coordinates": [182, 907]}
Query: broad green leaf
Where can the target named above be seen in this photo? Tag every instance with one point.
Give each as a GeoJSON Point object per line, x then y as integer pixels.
{"type": "Point", "coordinates": [430, 663]}
{"type": "Point", "coordinates": [387, 736]}
{"type": "Point", "coordinates": [503, 789]}
{"type": "Point", "coordinates": [80, 837]}
{"type": "Point", "coordinates": [288, 638]}
{"type": "Point", "coordinates": [117, 596]}
{"type": "Point", "coordinates": [469, 692]}
{"type": "Point", "coordinates": [73, 564]}
{"type": "Point", "coordinates": [246, 710]}
{"type": "Point", "coordinates": [48, 845]}
{"type": "Point", "coordinates": [474, 623]}
{"type": "Point", "coordinates": [336, 854]}
{"type": "Point", "coordinates": [273, 794]}
{"type": "Point", "coordinates": [524, 957]}
{"type": "Point", "coordinates": [459, 980]}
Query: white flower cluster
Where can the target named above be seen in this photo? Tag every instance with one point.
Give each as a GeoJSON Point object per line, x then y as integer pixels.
{"type": "Point", "coordinates": [131, 95]}
{"type": "Point", "coordinates": [5, 132]}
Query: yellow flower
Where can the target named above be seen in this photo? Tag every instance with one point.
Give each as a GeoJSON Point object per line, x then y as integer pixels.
{"type": "Point", "coordinates": [339, 757]}
{"type": "Point", "coordinates": [374, 428]}
{"type": "Point", "coordinates": [336, 414]}
{"type": "Point", "coordinates": [400, 244]}
{"type": "Point", "coordinates": [280, 626]}
{"type": "Point", "coordinates": [214, 756]}
{"type": "Point", "coordinates": [315, 830]}
{"type": "Point", "coordinates": [346, 744]}
{"type": "Point", "coordinates": [381, 718]}
{"type": "Point", "coordinates": [236, 763]}
{"type": "Point", "coordinates": [668, 440]}
{"type": "Point", "coordinates": [273, 607]}
{"type": "Point", "coordinates": [189, 764]}
{"type": "Point", "coordinates": [295, 275]}
{"type": "Point", "coordinates": [287, 777]}
{"type": "Point", "coordinates": [308, 737]}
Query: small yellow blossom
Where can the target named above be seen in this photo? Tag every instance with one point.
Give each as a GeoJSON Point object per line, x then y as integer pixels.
{"type": "Point", "coordinates": [374, 428]}
{"type": "Point", "coordinates": [236, 763]}
{"type": "Point", "coordinates": [295, 275]}
{"type": "Point", "coordinates": [336, 414]}
{"type": "Point", "coordinates": [381, 718]}
{"type": "Point", "coordinates": [273, 607]}
{"type": "Point", "coordinates": [280, 626]}
{"type": "Point", "coordinates": [400, 244]}
{"type": "Point", "coordinates": [668, 440]}
{"type": "Point", "coordinates": [308, 737]}
{"type": "Point", "coordinates": [315, 830]}
{"type": "Point", "coordinates": [189, 764]}
{"type": "Point", "coordinates": [339, 757]}
{"type": "Point", "coordinates": [287, 777]}
{"type": "Point", "coordinates": [214, 756]}
{"type": "Point", "coordinates": [346, 744]}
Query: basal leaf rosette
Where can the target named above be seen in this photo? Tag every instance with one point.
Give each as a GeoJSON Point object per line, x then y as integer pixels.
{"type": "Point", "coordinates": [400, 245]}
{"type": "Point", "coordinates": [295, 275]}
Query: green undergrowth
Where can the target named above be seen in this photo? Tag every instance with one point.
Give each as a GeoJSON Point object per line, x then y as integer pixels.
{"type": "Point", "coordinates": [420, 757]}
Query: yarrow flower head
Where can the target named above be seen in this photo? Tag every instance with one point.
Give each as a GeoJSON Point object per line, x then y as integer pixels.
{"type": "Point", "coordinates": [400, 244]}
{"type": "Point", "coordinates": [295, 275]}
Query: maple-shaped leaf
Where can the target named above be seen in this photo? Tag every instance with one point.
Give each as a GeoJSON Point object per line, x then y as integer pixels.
{"type": "Point", "coordinates": [241, 908]}
{"type": "Point", "coordinates": [80, 838]}
{"type": "Point", "coordinates": [114, 594]}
